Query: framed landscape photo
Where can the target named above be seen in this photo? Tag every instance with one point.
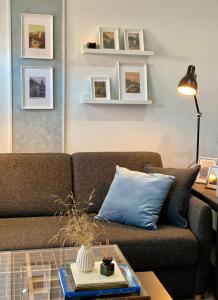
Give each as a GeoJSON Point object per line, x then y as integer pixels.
{"type": "Point", "coordinates": [100, 88]}
{"type": "Point", "coordinates": [134, 39]}
{"type": "Point", "coordinates": [37, 87]}
{"type": "Point", "coordinates": [109, 38]}
{"type": "Point", "coordinates": [212, 178]}
{"type": "Point", "coordinates": [37, 36]}
{"type": "Point", "coordinates": [205, 164]}
{"type": "Point", "coordinates": [132, 81]}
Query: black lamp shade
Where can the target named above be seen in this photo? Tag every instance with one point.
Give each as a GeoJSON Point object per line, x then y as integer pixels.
{"type": "Point", "coordinates": [188, 84]}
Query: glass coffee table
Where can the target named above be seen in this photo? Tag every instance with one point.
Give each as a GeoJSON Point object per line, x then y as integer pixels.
{"type": "Point", "coordinates": [33, 274]}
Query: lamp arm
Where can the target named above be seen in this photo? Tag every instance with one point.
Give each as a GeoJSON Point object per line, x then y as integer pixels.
{"type": "Point", "coordinates": [199, 114]}
{"type": "Point", "coordinates": [197, 106]}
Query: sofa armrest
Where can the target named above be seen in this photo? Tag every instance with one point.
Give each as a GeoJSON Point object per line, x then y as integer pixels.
{"type": "Point", "coordinates": [200, 223]}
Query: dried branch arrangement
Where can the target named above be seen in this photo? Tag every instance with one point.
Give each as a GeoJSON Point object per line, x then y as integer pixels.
{"type": "Point", "coordinates": [81, 228]}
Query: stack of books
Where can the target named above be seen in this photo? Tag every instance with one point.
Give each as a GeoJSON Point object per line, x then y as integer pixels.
{"type": "Point", "coordinates": [76, 284]}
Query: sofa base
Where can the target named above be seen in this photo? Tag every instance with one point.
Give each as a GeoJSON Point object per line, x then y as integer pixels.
{"type": "Point", "coordinates": [179, 282]}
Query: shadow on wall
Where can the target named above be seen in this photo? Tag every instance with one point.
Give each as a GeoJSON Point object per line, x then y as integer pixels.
{"type": "Point", "coordinates": [167, 149]}
{"type": "Point", "coordinates": [153, 43]}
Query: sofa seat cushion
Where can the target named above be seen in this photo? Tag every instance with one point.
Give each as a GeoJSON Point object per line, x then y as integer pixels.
{"type": "Point", "coordinates": [28, 233]}
{"type": "Point", "coordinates": [147, 249]}
{"type": "Point", "coordinates": [144, 249]}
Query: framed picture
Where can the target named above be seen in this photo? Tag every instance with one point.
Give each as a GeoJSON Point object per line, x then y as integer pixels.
{"type": "Point", "coordinates": [212, 178]}
{"type": "Point", "coordinates": [134, 39]}
{"type": "Point", "coordinates": [205, 164]}
{"type": "Point", "coordinates": [37, 86]}
{"type": "Point", "coordinates": [37, 36]}
{"type": "Point", "coordinates": [132, 81]}
{"type": "Point", "coordinates": [100, 88]}
{"type": "Point", "coordinates": [109, 38]}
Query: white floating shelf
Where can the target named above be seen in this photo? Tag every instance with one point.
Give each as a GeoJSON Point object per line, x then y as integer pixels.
{"type": "Point", "coordinates": [118, 102]}
{"type": "Point", "coordinates": [86, 50]}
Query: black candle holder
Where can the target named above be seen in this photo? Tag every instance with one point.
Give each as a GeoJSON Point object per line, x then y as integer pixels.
{"type": "Point", "coordinates": [91, 45]}
{"type": "Point", "coordinates": [107, 267]}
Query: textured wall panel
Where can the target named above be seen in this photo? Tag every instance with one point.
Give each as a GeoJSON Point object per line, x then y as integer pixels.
{"type": "Point", "coordinates": [37, 130]}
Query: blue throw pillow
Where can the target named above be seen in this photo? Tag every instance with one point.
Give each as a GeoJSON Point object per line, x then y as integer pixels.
{"type": "Point", "coordinates": [135, 198]}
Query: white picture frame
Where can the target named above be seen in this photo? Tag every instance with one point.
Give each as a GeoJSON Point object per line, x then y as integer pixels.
{"type": "Point", "coordinates": [36, 36]}
{"type": "Point", "coordinates": [205, 163]}
{"type": "Point", "coordinates": [134, 39]}
{"type": "Point", "coordinates": [137, 75]}
{"type": "Point", "coordinates": [212, 178]}
{"type": "Point", "coordinates": [100, 88]}
{"type": "Point", "coordinates": [109, 38]}
{"type": "Point", "coordinates": [37, 87]}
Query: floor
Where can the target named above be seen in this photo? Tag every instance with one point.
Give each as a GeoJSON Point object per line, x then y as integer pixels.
{"type": "Point", "coordinates": [207, 296]}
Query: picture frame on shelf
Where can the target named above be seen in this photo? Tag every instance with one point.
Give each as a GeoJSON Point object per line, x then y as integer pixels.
{"type": "Point", "coordinates": [36, 36]}
{"type": "Point", "coordinates": [37, 87]}
{"type": "Point", "coordinates": [132, 81]}
{"type": "Point", "coordinates": [211, 182]}
{"type": "Point", "coordinates": [100, 88]}
{"type": "Point", "coordinates": [109, 38]}
{"type": "Point", "coordinates": [205, 164]}
{"type": "Point", "coordinates": [134, 39]}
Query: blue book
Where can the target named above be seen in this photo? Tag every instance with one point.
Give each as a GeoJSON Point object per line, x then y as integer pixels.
{"type": "Point", "coordinates": [68, 288]}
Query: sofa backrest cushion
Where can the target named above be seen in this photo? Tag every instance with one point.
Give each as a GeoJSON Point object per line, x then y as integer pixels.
{"type": "Point", "coordinates": [28, 181]}
{"type": "Point", "coordinates": [96, 170]}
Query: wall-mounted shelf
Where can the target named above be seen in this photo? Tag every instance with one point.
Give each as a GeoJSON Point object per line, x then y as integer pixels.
{"type": "Point", "coordinates": [86, 50]}
{"type": "Point", "coordinates": [118, 102]}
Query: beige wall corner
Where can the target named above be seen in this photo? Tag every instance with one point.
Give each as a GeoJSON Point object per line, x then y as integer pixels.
{"type": "Point", "coordinates": [5, 78]}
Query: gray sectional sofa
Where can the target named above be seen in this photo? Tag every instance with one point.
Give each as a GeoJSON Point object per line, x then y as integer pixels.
{"type": "Point", "coordinates": [179, 257]}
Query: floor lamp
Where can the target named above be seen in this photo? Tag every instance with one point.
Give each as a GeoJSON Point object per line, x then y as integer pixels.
{"type": "Point", "coordinates": [188, 86]}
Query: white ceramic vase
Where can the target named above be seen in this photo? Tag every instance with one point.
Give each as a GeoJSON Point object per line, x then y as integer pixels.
{"type": "Point", "coordinates": [85, 259]}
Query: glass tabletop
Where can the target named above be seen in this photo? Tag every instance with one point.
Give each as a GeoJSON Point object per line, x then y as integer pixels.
{"type": "Point", "coordinates": [33, 274]}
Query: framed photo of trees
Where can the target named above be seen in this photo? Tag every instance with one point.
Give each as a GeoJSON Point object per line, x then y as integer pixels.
{"type": "Point", "coordinates": [37, 36]}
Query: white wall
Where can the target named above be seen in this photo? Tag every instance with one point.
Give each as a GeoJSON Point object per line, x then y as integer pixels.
{"type": "Point", "coordinates": [179, 35]}
{"type": "Point", "coordinates": [5, 134]}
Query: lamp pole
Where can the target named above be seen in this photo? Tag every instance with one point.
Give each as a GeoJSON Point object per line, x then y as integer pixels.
{"type": "Point", "coordinates": [188, 86]}
{"type": "Point", "coordinates": [199, 114]}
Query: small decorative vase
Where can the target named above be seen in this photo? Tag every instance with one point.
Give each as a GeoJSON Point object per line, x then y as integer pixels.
{"type": "Point", "coordinates": [85, 259]}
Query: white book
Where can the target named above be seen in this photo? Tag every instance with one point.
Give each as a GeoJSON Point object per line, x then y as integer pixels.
{"type": "Point", "coordinates": [96, 279]}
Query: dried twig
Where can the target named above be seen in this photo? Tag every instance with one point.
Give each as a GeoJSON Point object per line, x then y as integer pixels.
{"type": "Point", "coordinates": [81, 228]}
